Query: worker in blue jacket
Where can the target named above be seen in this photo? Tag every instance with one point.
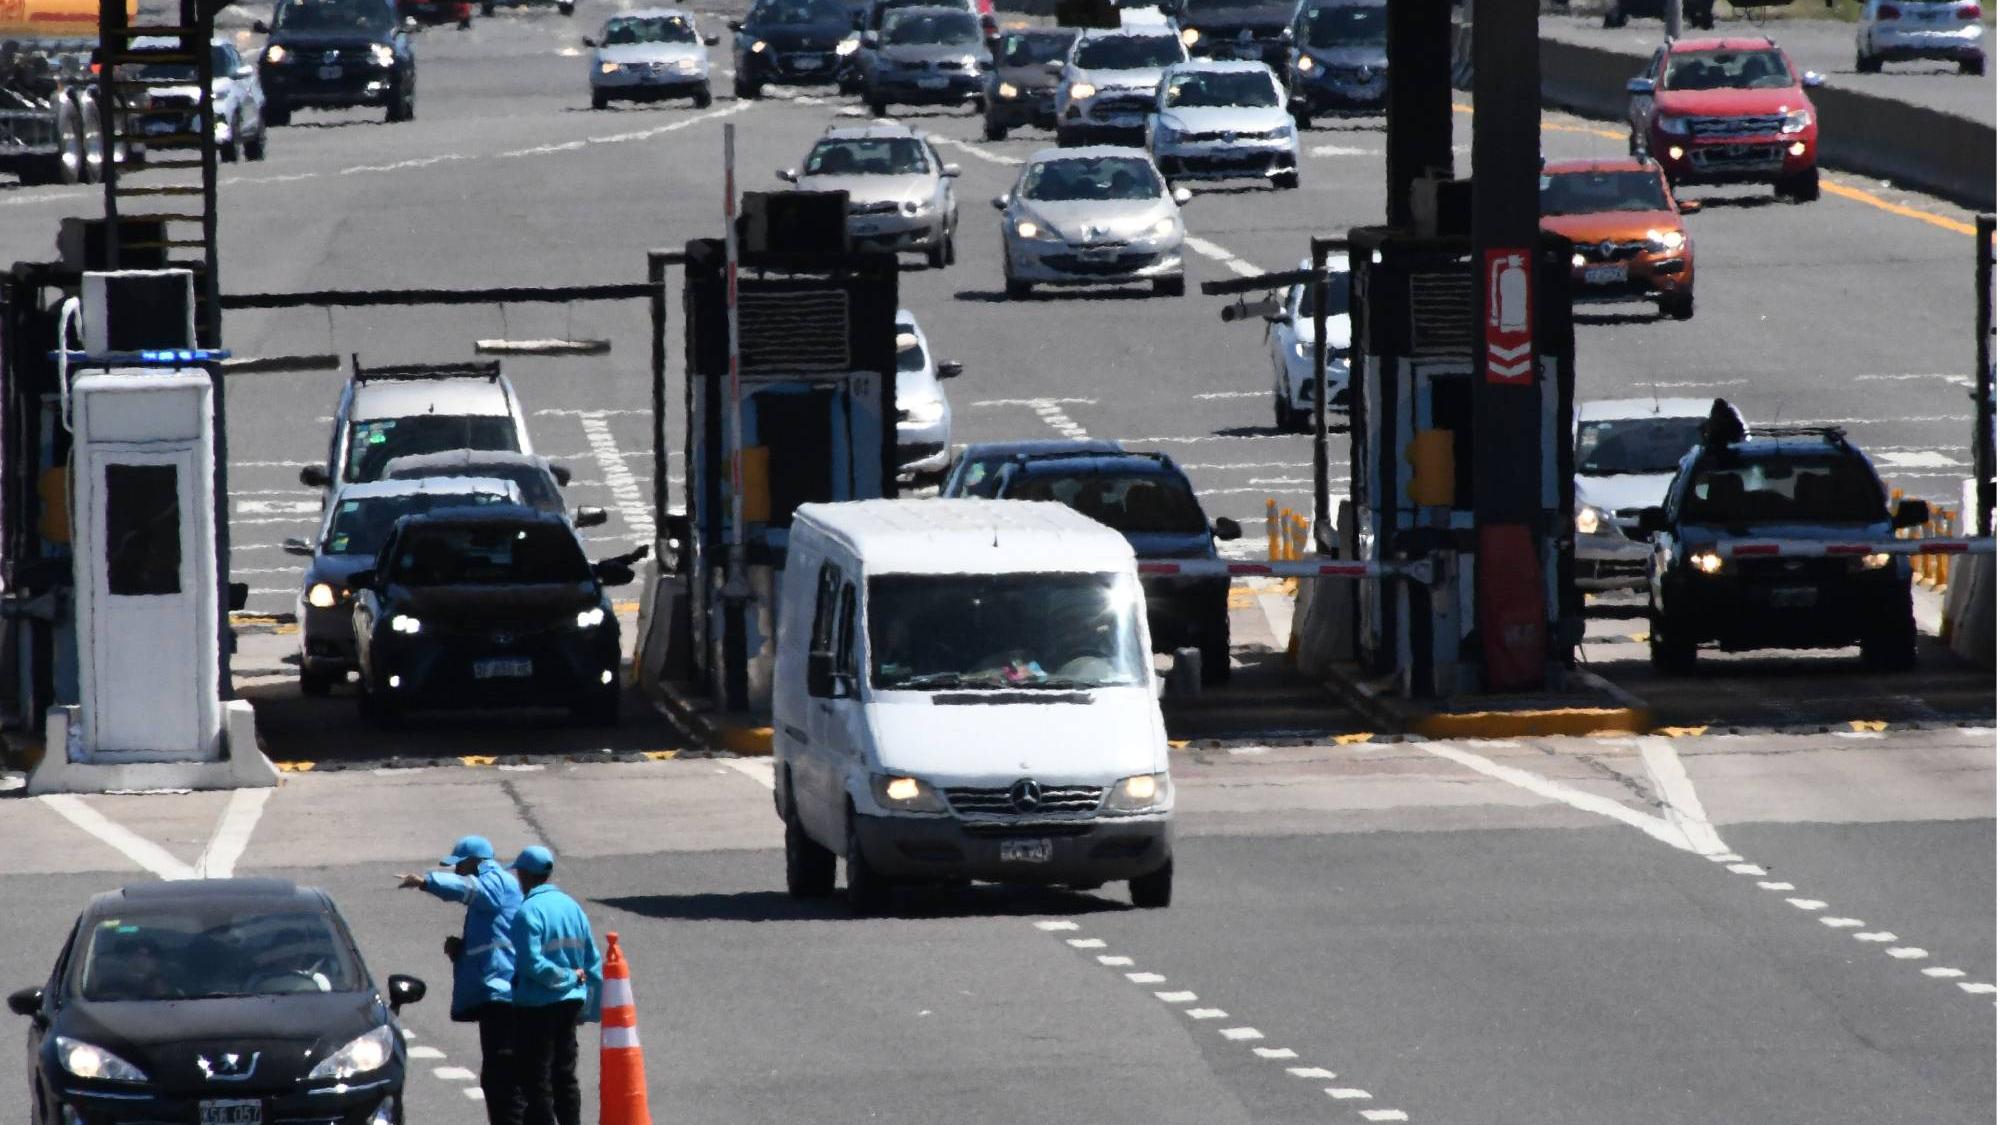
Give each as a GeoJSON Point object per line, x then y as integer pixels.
{"type": "Point", "coordinates": [482, 976]}
{"type": "Point", "coordinates": [558, 983]}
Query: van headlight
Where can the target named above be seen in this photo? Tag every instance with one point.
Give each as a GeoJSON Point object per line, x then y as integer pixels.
{"type": "Point", "coordinates": [366, 1052]}
{"type": "Point", "coordinates": [1706, 562]}
{"type": "Point", "coordinates": [590, 618]}
{"type": "Point", "coordinates": [1876, 561]}
{"type": "Point", "coordinates": [906, 794]}
{"type": "Point", "coordinates": [847, 46]}
{"type": "Point", "coordinates": [1009, 90]}
{"type": "Point", "coordinates": [87, 1060]}
{"type": "Point", "coordinates": [404, 623]}
{"type": "Point", "coordinates": [1589, 519]}
{"type": "Point", "coordinates": [1140, 793]}
{"type": "Point", "coordinates": [382, 53]}
{"type": "Point", "coordinates": [1082, 91]}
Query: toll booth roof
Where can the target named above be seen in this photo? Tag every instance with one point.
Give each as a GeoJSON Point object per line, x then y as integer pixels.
{"type": "Point", "coordinates": [967, 536]}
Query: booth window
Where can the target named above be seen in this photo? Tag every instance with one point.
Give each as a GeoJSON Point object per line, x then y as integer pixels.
{"type": "Point", "coordinates": [142, 529]}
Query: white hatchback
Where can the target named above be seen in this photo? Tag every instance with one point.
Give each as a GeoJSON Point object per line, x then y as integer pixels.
{"type": "Point", "coordinates": [1292, 346]}
{"type": "Point", "coordinates": [1900, 30]}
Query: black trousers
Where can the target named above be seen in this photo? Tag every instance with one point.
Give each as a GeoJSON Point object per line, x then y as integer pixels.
{"type": "Point", "coordinates": [545, 1055]}
{"type": "Point", "coordinates": [499, 1078]}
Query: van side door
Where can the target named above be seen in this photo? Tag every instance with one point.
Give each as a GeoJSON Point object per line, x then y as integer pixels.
{"type": "Point", "coordinates": [813, 783]}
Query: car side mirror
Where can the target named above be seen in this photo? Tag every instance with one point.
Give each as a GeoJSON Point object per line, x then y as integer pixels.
{"type": "Point", "coordinates": [410, 24]}
{"type": "Point", "coordinates": [1227, 529]}
{"type": "Point", "coordinates": [239, 596]}
{"type": "Point", "coordinates": [295, 545]}
{"type": "Point", "coordinates": [315, 476]}
{"type": "Point", "coordinates": [1639, 86]}
{"type": "Point", "coordinates": [561, 473]}
{"type": "Point", "coordinates": [244, 71]}
{"type": "Point", "coordinates": [25, 1002]}
{"type": "Point", "coordinates": [1812, 80]}
{"type": "Point", "coordinates": [1652, 520]}
{"type": "Point", "coordinates": [735, 25]}
{"type": "Point", "coordinates": [589, 42]}
{"type": "Point", "coordinates": [260, 27]}
{"type": "Point", "coordinates": [789, 175]}
{"type": "Point", "coordinates": [952, 170]}
{"type": "Point", "coordinates": [1182, 195]}
{"type": "Point", "coordinates": [590, 517]}
{"type": "Point", "coordinates": [950, 369]}
{"type": "Point", "coordinates": [361, 580]}
{"type": "Point", "coordinates": [404, 990]}
{"type": "Point", "coordinates": [1688, 206]}
{"type": "Point", "coordinates": [611, 573]}
{"type": "Point", "coordinates": [870, 39]}
{"type": "Point", "coordinates": [1285, 34]}
{"type": "Point", "coordinates": [711, 40]}
{"type": "Point", "coordinates": [1000, 203]}
{"type": "Point", "coordinates": [1911, 513]}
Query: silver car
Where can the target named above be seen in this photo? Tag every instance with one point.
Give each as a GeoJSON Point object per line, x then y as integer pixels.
{"type": "Point", "coordinates": [900, 193]}
{"type": "Point", "coordinates": [1292, 347]}
{"type": "Point", "coordinates": [1898, 30]}
{"type": "Point", "coordinates": [649, 53]}
{"type": "Point", "coordinates": [1627, 451]}
{"type": "Point", "coordinates": [1223, 120]}
{"type": "Point", "coordinates": [923, 413]}
{"type": "Point", "coordinates": [239, 96]}
{"type": "Point", "coordinates": [1110, 80]}
{"type": "Point", "coordinates": [1092, 216]}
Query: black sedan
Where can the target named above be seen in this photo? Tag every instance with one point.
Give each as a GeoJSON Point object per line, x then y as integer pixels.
{"type": "Point", "coordinates": [791, 43]}
{"type": "Point", "coordinates": [1021, 87]}
{"type": "Point", "coordinates": [332, 54]}
{"type": "Point", "coordinates": [214, 1002]}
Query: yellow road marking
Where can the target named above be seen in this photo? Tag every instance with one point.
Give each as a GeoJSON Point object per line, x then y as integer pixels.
{"type": "Point", "coordinates": [295, 767]}
{"type": "Point", "coordinates": [1178, 743]}
{"type": "Point", "coordinates": [662, 755]}
{"type": "Point", "coordinates": [1355, 739]}
{"type": "Point", "coordinates": [1683, 732]}
{"type": "Point", "coordinates": [475, 759]}
{"type": "Point", "coordinates": [1860, 725]}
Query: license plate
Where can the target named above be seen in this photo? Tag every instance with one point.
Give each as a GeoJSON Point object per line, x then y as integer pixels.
{"type": "Point", "coordinates": [235, 1111]}
{"type": "Point", "coordinates": [1025, 851]}
{"type": "Point", "coordinates": [329, 73]}
{"type": "Point", "coordinates": [933, 82]}
{"type": "Point", "coordinates": [808, 64]}
{"type": "Point", "coordinates": [1794, 597]}
{"type": "Point", "coordinates": [159, 126]}
{"type": "Point", "coordinates": [1605, 275]}
{"type": "Point", "coordinates": [505, 668]}
{"type": "Point", "coordinates": [1098, 255]}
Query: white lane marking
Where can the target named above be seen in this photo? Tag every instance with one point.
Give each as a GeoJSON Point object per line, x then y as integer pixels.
{"type": "Point", "coordinates": [522, 767]}
{"type": "Point", "coordinates": [758, 770]}
{"type": "Point", "coordinates": [1049, 925]}
{"type": "Point", "coordinates": [474, 1093]}
{"type": "Point", "coordinates": [1114, 961]}
{"type": "Point", "coordinates": [1976, 989]}
{"type": "Point", "coordinates": [1035, 401]}
{"type": "Point", "coordinates": [1657, 828]}
{"type": "Point", "coordinates": [1232, 394]}
{"type": "Point", "coordinates": [1206, 1014]}
{"type": "Point", "coordinates": [454, 1073]}
{"type": "Point", "coordinates": [420, 162]}
{"type": "Point", "coordinates": [1176, 997]}
{"type": "Point", "coordinates": [271, 464]}
{"type": "Point", "coordinates": [1776, 887]}
{"type": "Point", "coordinates": [971, 149]}
{"type": "Point", "coordinates": [1676, 791]}
{"type": "Point", "coordinates": [1942, 973]}
{"type": "Point", "coordinates": [631, 502]}
{"type": "Point", "coordinates": [1746, 869]}
{"type": "Point", "coordinates": [141, 851]}
{"type": "Point", "coordinates": [1924, 460]}
{"type": "Point", "coordinates": [1385, 1115]}
{"type": "Point", "coordinates": [1275, 1052]}
{"type": "Point", "coordinates": [1239, 1034]}
{"type": "Point", "coordinates": [1209, 249]}
{"type": "Point", "coordinates": [1954, 379]}
{"type": "Point", "coordinates": [1876, 935]}
{"type": "Point", "coordinates": [1342, 150]}
{"type": "Point", "coordinates": [276, 507]}
{"type": "Point", "coordinates": [1842, 923]}
{"type": "Point", "coordinates": [1218, 465]}
{"type": "Point", "coordinates": [423, 1052]}
{"type": "Point", "coordinates": [1807, 903]}
{"type": "Point", "coordinates": [1907, 953]}
{"type": "Point", "coordinates": [1318, 1072]}
{"type": "Point", "coordinates": [1145, 978]}
{"type": "Point", "coordinates": [1726, 857]}
{"type": "Point", "coordinates": [232, 834]}
{"type": "Point", "coordinates": [1086, 943]}
{"type": "Point", "coordinates": [1347, 1093]}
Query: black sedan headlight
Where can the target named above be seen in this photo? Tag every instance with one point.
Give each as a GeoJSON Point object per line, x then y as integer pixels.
{"type": "Point", "coordinates": [364, 1054]}
{"type": "Point", "coordinates": [87, 1060]}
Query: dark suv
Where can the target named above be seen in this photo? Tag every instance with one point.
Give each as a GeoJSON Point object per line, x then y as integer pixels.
{"type": "Point", "coordinates": [1787, 483]}
{"type": "Point", "coordinates": [1147, 498]}
{"type": "Point", "coordinates": [493, 606]}
{"type": "Point", "coordinates": [790, 43]}
{"type": "Point", "coordinates": [335, 54]}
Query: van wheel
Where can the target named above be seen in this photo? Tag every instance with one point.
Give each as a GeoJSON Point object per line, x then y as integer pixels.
{"type": "Point", "coordinates": [1867, 64]}
{"type": "Point", "coordinates": [808, 867]}
{"type": "Point", "coordinates": [1670, 653]}
{"type": "Point", "coordinates": [867, 892]}
{"type": "Point", "coordinates": [1802, 188]}
{"type": "Point", "coordinates": [1678, 306]}
{"type": "Point", "coordinates": [1215, 659]}
{"type": "Point", "coordinates": [1154, 891]}
{"type": "Point", "coordinates": [600, 709]}
{"type": "Point", "coordinates": [314, 683]}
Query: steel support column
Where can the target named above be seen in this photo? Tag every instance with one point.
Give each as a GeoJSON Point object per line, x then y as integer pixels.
{"type": "Point", "coordinates": [1419, 119]}
{"type": "Point", "coordinates": [1982, 375]}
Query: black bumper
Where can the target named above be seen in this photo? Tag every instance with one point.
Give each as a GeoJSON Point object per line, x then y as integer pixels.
{"type": "Point", "coordinates": [300, 90]}
{"type": "Point", "coordinates": [442, 673]}
{"type": "Point", "coordinates": [1039, 112]}
{"type": "Point", "coordinates": [1086, 851]}
{"type": "Point", "coordinates": [353, 1106]}
{"type": "Point", "coordinates": [1321, 96]}
{"type": "Point", "coordinates": [1186, 611]}
{"type": "Point", "coordinates": [900, 91]}
{"type": "Point", "coordinates": [1775, 613]}
{"type": "Point", "coordinates": [792, 69]}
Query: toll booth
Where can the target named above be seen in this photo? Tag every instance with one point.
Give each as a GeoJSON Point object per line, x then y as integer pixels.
{"type": "Point", "coordinates": [817, 367]}
{"type": "Point", "coordinates": [1415, 339]}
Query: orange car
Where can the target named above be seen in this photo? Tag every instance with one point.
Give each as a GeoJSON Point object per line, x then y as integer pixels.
{"type": "Point", "coordinates": [1630, 242]}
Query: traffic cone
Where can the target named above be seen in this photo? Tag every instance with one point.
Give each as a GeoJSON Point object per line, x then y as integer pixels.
{"type": "Point", "coordinates": [621, 1071]}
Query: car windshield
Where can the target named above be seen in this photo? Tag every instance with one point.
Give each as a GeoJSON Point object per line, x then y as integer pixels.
{"type": "Point", "coordinates": [931, 28]}
{"type": "Point", "coordinates": [1348, 25]}
{"type": "Point", "coordinates": [488, 554]}
{"type": "Point", "coordinates": [1052, 631]}
{"type": "Point", "coordinates": [1617, 446]}
{"type": "Point", "coordinates": [909, 351]}
{"type": "Point", "coordinates": [1034, 49]}
{"type": "Point", "coordinates": [800, 11]}
{"type": "Point", "coordinates": [1336, 296]}
{"type": "Point", "coordinates": [360, 526]}
{"type": "Point", "coordinates": [1591, 193]}
{"type": "Point", "coordinates": [1131, 503]}
{"type": "Point", "coordinates": [1129, 52]}
{"type": "Point", "coordinates": [1218, 88]}
{"type": "Point", "coordinates": [370, 16]}
{"type": "Point", "coordinates": [376, 442]}
{"type": "Point", "coordinates": [207, 952]}
{"type": "Point", "coordinates": [1091, 178]}
{"type": "Point", "coordinates": [1803, 490]}
{"type": "Point", "coordinates": [873, 156]}
{"type": "Point", "coordinates": [1728, 70]}
{"type": "Point", "coordinates": [648, 29]}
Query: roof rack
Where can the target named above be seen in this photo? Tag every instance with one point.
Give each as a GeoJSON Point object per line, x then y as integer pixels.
{"type": "Point", "coordinates": [489, 370]}
{"type": "Point", "coordinates": [1834, 435]}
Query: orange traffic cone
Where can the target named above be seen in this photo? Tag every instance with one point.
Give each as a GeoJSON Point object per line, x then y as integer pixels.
{"type": "Point", "coordinates": [621, 1071]}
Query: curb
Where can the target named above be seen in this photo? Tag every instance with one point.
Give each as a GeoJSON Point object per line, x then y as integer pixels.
{"type": "Point", "coordinates": [695, 717]}
{"type": "Point", "coordinates": [1628, 715]}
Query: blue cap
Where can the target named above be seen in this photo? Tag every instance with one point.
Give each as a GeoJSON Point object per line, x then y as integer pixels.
{"type": "Point", "coordinates": [468, 847]}
{"type": "Point", "coordinates": [535, 859]}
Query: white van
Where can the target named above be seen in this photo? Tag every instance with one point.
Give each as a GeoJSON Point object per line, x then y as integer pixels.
{"type": "Point", "coordinates": [964, 690]}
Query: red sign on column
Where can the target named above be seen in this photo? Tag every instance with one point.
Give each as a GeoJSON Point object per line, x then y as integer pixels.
{"type": "Point", "coordinates": [1510, 317]}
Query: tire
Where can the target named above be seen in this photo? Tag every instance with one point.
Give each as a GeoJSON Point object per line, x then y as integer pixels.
{"type": "Point", "coordinates": [1868, 64]}
{"type": "Point", "coordinates": [1154, 890]}
{"type": "Point", "coordinates": [69, 165]}
{"type": "Point", "coordinates": [277, 113]}
{"type": "Point", "coordinates": [233, 151]}
{"type": "Point", "coordinates": [1972, 66]}
{"type": "Point", "coordinates": [314, 684]}
{"type": "Point", "coordinates": [1615, 18]}
{"type": "Point", "coordinates": [1285, 181]}
{"type": "Point", "coordinates": [703, 99]}
{"type": "Point", "coordinates": [1678, 306]}
{"type": "Point", "coordinates": [995, 131]}
{"type": "Point", "coordinates": [599, 101]}
{"type": "Point", "coordinates": [1066, 139]}
{"type": "Point", "coordinates": [465, 24]}
{"type": "Point", "coordinates": [878, 109]}
{"type": "Point", "coordinates": [1670, 654]}
{"type": "Point", "coordinates": [378, 710]}
{"type": "Point", "coordinates": [1170, 286]}
{"type": "Point", "coordinates": [867, 893]}
{"type": "Point", "coordinates": [1802, 188]}
{"type": "Point", "coordinates": [566, 9]}
{"type": "Point", "coordinates": [486, 9]}
{"type": "Point", "coordinates": [748, 91]}
{"type": "Point", "coordinates": [1019, 290]}
{"type": "Point", "coordinates": [939, 255]}
{"type": "Point", "coordinates": [92, 125]}
{"type": "Point", "coordinates": [253, 147]}
{"type": "Point", "coordinates": [1893, 649]}
{"type": "Point", "coordinates": [809, 868]}
{"type": "Point", "coordinates": [1303, 118]}
{"type": "Point", "coordinates": [1215, 659]}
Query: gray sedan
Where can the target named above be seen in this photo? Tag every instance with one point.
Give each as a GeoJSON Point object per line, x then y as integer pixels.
{"type": "Point", "coordinates": [1092, 216]}
{"type": "Point", "coordinates": [649, 53]}
{"type": "Point", "coordinates": [900, 194]}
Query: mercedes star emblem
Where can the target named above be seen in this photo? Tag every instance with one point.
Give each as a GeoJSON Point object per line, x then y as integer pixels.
{"type": "Point", "coordinates": [1026, 795]}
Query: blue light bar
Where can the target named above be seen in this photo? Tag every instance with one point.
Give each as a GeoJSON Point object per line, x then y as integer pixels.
{"type": "Point", "coordinates": [152, 357]}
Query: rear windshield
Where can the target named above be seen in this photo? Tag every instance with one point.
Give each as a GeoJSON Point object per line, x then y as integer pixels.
{"type": "Point", "coordinates": [1129, 52]}
{"type": "Point", "coordinates": [489, 554]}
{"type": "Point", "coordinates": [1785, 490]}
{"type": "Point", "coordinates": [361, 526]}
{"type": "Point", "coordinates": [1591, 193]}
{"type": "Point", "coordinates": [1617, 446]}
{"type": "Point", "coordinates": [1348, 25]}
{"type": "Point", "coordinates": [1132, 503]}
{"type": "Point", "coordinates": [191, 953]}
{"type": "Point", "coordinates": [376, 442]}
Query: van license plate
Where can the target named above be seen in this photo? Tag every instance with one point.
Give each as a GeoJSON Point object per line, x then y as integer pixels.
{"type": "Point", "coordinates": [503, 669]}
{"type": "Point", "coordinates": [330, 74]}
{"type": "Point", "coordinates": [1025, 851]}
{"type": "Point", "coordinates": [1794, 597]}
{"type": "Point", "coordinates": [235, 1111]}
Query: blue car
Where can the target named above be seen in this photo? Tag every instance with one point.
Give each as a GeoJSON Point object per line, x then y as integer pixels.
{"type": "Point", "coordinates": [977, 470]}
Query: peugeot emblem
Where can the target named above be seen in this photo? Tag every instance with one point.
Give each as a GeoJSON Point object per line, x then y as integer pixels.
{"type": "Point", "coordinates": [231, 1067]}
{"type": "Point", "coordinates": [1605, 248]}
{"type": "Point", "coordinates": [1025, 796]}
{"type": "Point", "coordinates": [1228, 138]}
{"type": "Point", "coordinates": [1363, 74]}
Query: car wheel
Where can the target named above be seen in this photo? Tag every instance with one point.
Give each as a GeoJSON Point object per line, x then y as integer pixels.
{"type": "Point", "coordinates": [378, 709]}
{"type": "Point", "coordinates": [703, 99]}
{"type": "Point", "coordinates": [1669, 652]}
{"type": "Point", "coordinates": [1066, 139]}
{"type": "Point", "coordinates": [599, 100]}
{"type": "Point", "coordinates": [465, 24]}
{"type": "Point", "coordinates": [1972, 66]}
{"type": "Point", "coordinates": [1802, 188]}
{"type": "Point", "coordinates": [1170, 286]}
{"type": "Point", "coordinates": [232, 151]}
{"type": "Point", "coordinates": [1892, 649]}
{"type": "Point", "coordinates": [939, 255]}
{"type": "Point", "coordinates": [277, 113]}
{"type": "Point", "coordinates": [1678, 306]}
{"type": "Point", "coordinates": [878, 109]}
{"type": "Point", "coordinates": [1614, 18]}
{"type": "Point", "coordinates": [315, 684]}
{"type": "Point", "coordinates": [1215, 658]}
{"type": "Point", "coordinates": [253, 147]}
{"type": "Point", "coordinates": [1019, 290]}
{"type": "Point", "coordinates": [566, 9]}
{"type": "Point", "coordinates": [747, 91]}
{"type": "Point", "coordinates": [1303, 118]}
{"type": "Point", "coordinates": [486, 9]}
{"type": "Point", "coordinates": [1285, 181]}
{"type": "Point", "coordinates": [808, 866]}
{"type": "Point", "coordinates": [867, 892]}
{"type": "Point", "coordinates": [1154, 890]}
{"type": "Point", "coordinates": [995, 131]}
{"type": "Point", "coordinates": [1867, 64]}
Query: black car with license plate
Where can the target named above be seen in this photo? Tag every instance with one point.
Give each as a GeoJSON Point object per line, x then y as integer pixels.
{"type": "Point", "coordinates": [214, 1002]}
{"type": "Point", "coordinates": [789, 43]}
{"type": "Point", "coordinates": [337, 54]}
{"type": "Point", "coordinates": [1795, 484]}
{"type": "Point", "coordinates": [1021, 86]}
{"type": "Point", "coordinates": [1236, 29]}
{"type": "Point", "coordinates": [493, 606]}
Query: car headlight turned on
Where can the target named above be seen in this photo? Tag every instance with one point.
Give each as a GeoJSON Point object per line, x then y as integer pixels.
{"type": "Point", "coordinates": [1009, 90]}
{"type": "Point", "coordinates": [1305, 64]}
{"type": "Point", "coordinates": [1081, 90]}
{"type": "Point", "coordinates": [1875, 561]}
{"type": "Point", "coordinates": [87, 1060]}
{"type": "Point", "coordinates": [1797, 121]}
{"type": "Point", "coordinates": [382, 53]}
{"type": "Point", "coordinates": [404, 623]}
{"type": "Point", "coordinates": [1162, 229]}
{"type": "Point", "coordinates": [1667, 240]}
{"type": "Point", "coordinates": [275, 54]}
{"type": "Point", "coordinates": [906, 794]}
{"type": "Point", "coordinates": [1588, 520]}
{"type": "Point", "coordinates": [1137, 794]}
{"type": "Point", "coordinates": [322, 596]}
{"type": "Point", "coordinates": [369, 1051]}
{"type": "Point", "coordinates": [607, 68]}
{"type": "Point", "coordinates": [757, 48]}
{"type": "Point", "coordinates": [1029, 228]}
{"type": "Point", "coordinates": [590, 618]}
{"type": "Point", "coordinates": [1705, 562]}
{"type": "Point", "coordinates": [845, 47]}
{"type": "Point", "coordinates": [1189, 37]}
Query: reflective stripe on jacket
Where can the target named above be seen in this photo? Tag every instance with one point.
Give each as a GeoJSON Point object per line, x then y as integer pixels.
{"type": "Point", "coordinates": [484, 973]}
{"type": "Point", "coordinates": [552, 940]}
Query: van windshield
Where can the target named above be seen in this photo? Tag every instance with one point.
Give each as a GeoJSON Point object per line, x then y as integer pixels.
{"type": "Point", "coordinates": [934, 632]}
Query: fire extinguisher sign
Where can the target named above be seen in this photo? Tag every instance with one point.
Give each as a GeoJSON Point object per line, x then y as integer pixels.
{"type": "Point", "coordinates": [1510, 339]}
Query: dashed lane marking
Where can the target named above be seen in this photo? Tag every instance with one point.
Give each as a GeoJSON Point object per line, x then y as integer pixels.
{"type": "Point", "coordinates": [1908, 953]}
{"type": "Point", "coordinates": [1275, 1052]}
{"type": "Point", "coordinates": [1113, 961]}
{"type": "Point", "coordinates": [1054, 926]}
{"type": "Point", "coordinates": [1086, 943]}
{"type": "Point", "coordinates": [1347, 1093]}
{"type": "Point", "coordinates": [454, 1073]}
{"type": "Point", "coordinates": [624, 484]}
{"type": "Point", "coordinates": [1315, 1073]}
{"type": "Point", "coordinates": [424, 1052]}
{"type": "Point", "coordinates": [1175, 997]}
{"type": "Point", "coordinates": [1239, 1034]}
{"type": "Point", "coordinates": [1206, 1014]}
{"type": "Point", "coordinates": [1145, 978]}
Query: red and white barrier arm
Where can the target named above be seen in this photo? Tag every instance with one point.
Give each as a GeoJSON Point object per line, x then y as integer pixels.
{"type": "Point", "coordinates": [1819, 549]}
{"type": "Point", "coordinates": [1416, 569]}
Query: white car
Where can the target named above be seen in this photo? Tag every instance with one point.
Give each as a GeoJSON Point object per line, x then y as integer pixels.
{"type": "Point", "coordinates": [1223, 120]}
{"type": "Point", "coordinates": [901, 195]}
{"type": "Point", "coordinates": [1627, 451]}
{"type": "Point", "coordinates": [1898, 30]}
{"type": "Point", "coordinates": [649, 53]}
{"type": "Point", "coordinates": [1110, 80]}
{"type": "Point", "coordinates": [396, 411]}
{"type": "Point", "coordinates": [923, 413]}
{"type": "Point", "coordinates": [239, 96]}
{"type": "Point", "coordinates": [1092, 216]}
{"type": "Point", "coordinates": [1291, 340]}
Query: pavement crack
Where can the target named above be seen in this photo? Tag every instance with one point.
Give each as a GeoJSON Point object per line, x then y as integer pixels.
{"type": "Point", "coordinates": [528, 816]}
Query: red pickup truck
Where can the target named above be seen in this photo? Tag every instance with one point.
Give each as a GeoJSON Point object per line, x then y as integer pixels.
{"type": "Point", "coordinates": [1728, 111]}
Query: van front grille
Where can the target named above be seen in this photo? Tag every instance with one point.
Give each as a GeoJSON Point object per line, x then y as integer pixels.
{"type": "Point", "coordinates": [973, 801]}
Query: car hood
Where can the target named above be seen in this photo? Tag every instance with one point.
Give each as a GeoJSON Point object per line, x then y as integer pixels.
{"type": "Point", "coordinates": [1729, 103]}
{"type": "Point", "coordinates": [496, 608]}
{"type": "Point", "coordinates": [649, 52]}
{"type": "Point", "coordinates": [1615, 226]}
{"type": "Point", "coordinates": [290, 1033]}
{"type": "Point", "coordinates": [1113, 219]}
{"type": "Point", "coordinates": [928, 52]}
{"type": "Point", "coordinates": [1624, 491]}
{"type": "Point", "coordinates": [995, 738]}
{"type": "Point", "coordinates": [872, 189]}
{"type": "Point", "coordinates": [1225, 118]}
{"type": "Point", "coordinates": [1145, 80]}
{"type": "Point", "coordinates": [795, 37]}
{"type": "Point", "coordinates": [1695, 535]}
{"type": "Point", "coordinates": [1376, 58]}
